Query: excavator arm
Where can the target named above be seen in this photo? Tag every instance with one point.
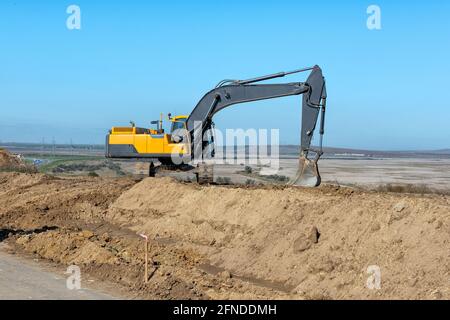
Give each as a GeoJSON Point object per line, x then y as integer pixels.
{"type": "Point", "coordinates": [186, 141]}
{"type": "Point", "coordinates": [230, 92]}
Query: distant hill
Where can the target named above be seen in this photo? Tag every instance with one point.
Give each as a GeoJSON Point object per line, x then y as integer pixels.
{"type": "Point", "coordinates": [347, 152]}
{"type": "Point", "coordinates": [443, 151]}
{"type": "Point", "coordinates": [285, 151]}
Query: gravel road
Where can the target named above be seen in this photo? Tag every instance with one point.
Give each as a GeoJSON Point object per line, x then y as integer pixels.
{"type": "Point", "coordinates": [25, 280]}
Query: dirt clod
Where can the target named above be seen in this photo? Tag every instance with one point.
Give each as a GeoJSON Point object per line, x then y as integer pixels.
{"type": "Point", "coordinates": [399, 207]}
{"type": "Point", "coordinates": [306, 239]}
{"type": "Point", "coordinates": [225, 275]}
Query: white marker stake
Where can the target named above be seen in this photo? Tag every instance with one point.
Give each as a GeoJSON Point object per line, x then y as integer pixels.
{"type": "Point", "coordinates": [146, 257]}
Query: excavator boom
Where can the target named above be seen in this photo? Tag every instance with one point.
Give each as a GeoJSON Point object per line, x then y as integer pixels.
{"type": "Point", "coordinates": [230, 92]}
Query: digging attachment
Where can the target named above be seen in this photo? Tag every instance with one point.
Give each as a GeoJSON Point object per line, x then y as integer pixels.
{"type": "Point", "coordinates": [314, 103]}
{"type": "Point", "coordinates": [230, 92]}
{"type": "Point", "coordinates": [307, 174]}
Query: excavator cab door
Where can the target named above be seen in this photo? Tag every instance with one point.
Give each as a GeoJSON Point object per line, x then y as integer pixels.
{"type": "Point", "coordinates": [178, 131]}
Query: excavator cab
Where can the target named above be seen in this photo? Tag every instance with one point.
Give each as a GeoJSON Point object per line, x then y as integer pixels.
{"type": "Point", "coordinates": [178, 123]}
{"type": "Point", "coordinates": [178, 128]}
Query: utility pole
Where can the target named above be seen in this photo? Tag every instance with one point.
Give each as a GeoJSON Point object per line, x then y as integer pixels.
{"type": "Point", "coordinates": [54, 146]}
{"type": "Point", "coordinates": [43, 146]}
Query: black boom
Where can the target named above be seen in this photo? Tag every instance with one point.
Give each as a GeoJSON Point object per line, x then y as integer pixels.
{"type": "Point", "coordinates": [230, 92]}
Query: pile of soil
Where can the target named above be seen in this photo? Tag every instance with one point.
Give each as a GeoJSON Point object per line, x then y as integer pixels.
{"type": "Point", "coordinates": [7, 160]}
{"type": "Point", "coordinates": [318, 243]}
{"type": "Point", "coordinates": [231, 242]}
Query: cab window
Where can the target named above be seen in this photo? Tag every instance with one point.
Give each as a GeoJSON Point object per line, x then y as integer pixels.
{"type": "Point", "coordinates": [178, 124]}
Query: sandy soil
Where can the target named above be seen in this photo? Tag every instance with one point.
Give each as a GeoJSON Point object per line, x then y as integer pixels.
{"type": "Point", "coordinates": [229, 242]}
{"type": "Point", "coordinates": [7, 160]}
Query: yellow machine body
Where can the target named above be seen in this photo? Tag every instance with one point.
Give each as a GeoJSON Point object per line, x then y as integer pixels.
{"type": "Point", "coordinates": [135, 142]}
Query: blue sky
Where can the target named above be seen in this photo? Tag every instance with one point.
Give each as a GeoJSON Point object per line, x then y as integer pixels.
{"type": "Point", "coordinates": [134, 59]}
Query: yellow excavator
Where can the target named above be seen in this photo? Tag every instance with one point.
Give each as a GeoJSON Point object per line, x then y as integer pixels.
{"type": "Point", "coordinates": [190, 143]}
{"type": "Point", "coordinates": [135, 142]}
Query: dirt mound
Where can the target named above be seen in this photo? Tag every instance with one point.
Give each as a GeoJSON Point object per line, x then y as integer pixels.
{"type": "Point", "coordinates": [316, 243]}
{"type": "Point", "coordinates": [10, 162]}
{"type": "Point", "coordinates": [230, 242]}
{"type": "Point", "coordinates": [63, 220]}
{"type": "Point", "coordinates": [51, 244]}
{"type": "Point", "coordinates": [7, 160]}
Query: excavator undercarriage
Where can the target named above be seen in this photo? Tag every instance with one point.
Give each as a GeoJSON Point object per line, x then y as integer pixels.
{"type": "Point", "coordinates": [186, 148]}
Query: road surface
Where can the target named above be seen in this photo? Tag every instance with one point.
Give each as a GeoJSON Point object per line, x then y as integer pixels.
{"type": "Point", "coordinates": [25, 280]}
